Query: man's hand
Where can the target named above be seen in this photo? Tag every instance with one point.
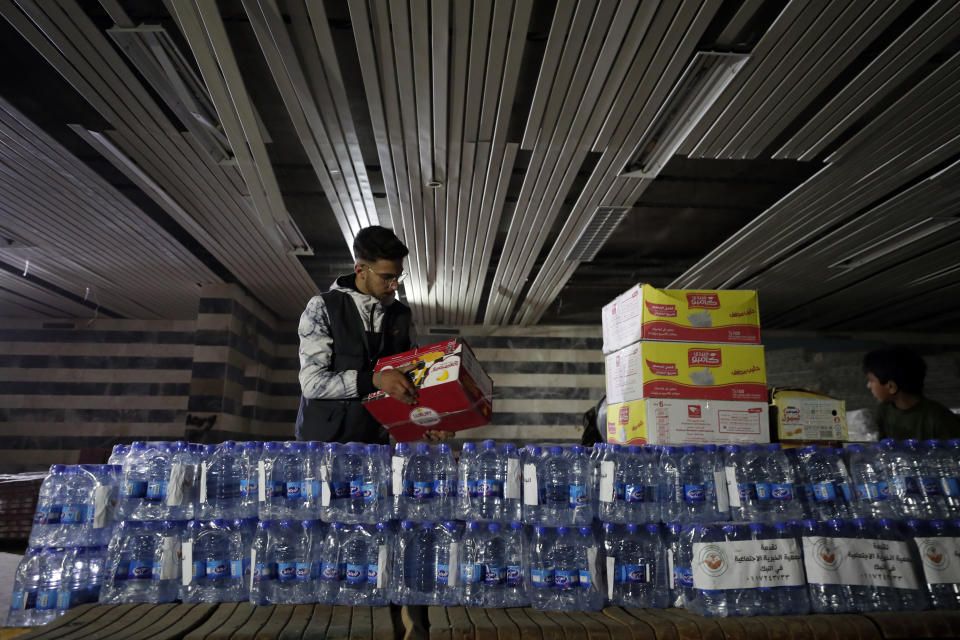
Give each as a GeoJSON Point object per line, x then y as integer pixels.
{"type": "Point", "coordinates": [394, 383]}
{"type": "Point", "coordinates": [437, 435]}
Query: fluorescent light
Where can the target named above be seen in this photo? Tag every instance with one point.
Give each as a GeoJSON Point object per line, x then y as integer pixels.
{"type": "Point", "coordinates": [894, 242]}
{"type": "Point", "coordinates": [596, 232]}
{"type": "Point", "coordinates": [704, 79]}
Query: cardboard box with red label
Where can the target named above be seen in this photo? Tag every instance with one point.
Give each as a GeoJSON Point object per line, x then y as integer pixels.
{"type": "Point", "coordinates": [735, 373]}
{"type": "Point", "coordinates": [454, 392]}
{"type": "Point", "coordinates": [644, 312]}
{"type": "Point", "coordinates": [675, 421]}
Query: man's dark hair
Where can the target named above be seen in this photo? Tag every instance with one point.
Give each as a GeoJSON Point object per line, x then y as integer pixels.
{"type": "Point", "coordinates": [378, 243]}
{"type": "Point", "coordinates": [901, 365]}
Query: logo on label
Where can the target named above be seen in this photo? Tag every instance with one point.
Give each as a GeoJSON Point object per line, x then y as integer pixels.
{"type": "Point", "coordinates": [704, 357]}
{"type": "Point", "coordinates": [424, 416]}
{"type": "Point", "coordinates": [624, 414]}
{"type": "Point", "coordinates": [791, 414]}
{"type": "Point", "coordinates": [694, 411]}
{"type": "Point", "coordinates": [661, 310]}
{"type": "Point", "coordinates": [713, 560]}
{"type": "Point", "coordinates": [934, 557]}
{"type": "Point", "coordinates": [825, 555]}
{"type": "Point", "coordinates": [662, 368]}
{"type": "Point", "coordinates": [703, 301]}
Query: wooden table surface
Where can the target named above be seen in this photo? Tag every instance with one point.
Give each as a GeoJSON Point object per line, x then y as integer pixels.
{"type": "Point", "coordinates": [242, 621]}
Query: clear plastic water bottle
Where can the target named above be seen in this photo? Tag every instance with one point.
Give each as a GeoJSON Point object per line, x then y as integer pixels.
{"type": "Point", "coordinates": [580, 497]}
{"type": "Point", "coordinates": [682, 544]}
{"type": "Point", "coordinates": [471, 565]}
{"type": "Point", "coordinates": [250, 482]}
{"type": "Point", "coordinates": [706, 602]}
{"type": "Point", "coordinates": [828, 597]}
{"type": "Point", "coordinates": [932, 543]}
{"type": "Point", "coordinates": [672, 504]}
{"type": "Point", "coordinates": [590, 578]}
{"type": "Point", "coordinates": [515, 546]}
{"type": "Point", "coordinates": [792, 600]}
{"type": "Point", "coordinates": [347, 495]}
{"type": "Point", "coordinates": [699, 489]}
{"type": "Point", "coordinates": [289, 550]}
{"type": "Point", "coordinates": [332, 564]}
{"type": "Point", "coordinates": [400, 591]}
{"type": "Point", "coordinates": [671, 543]}
{"type": "Point", "coordinates": [933, 457]}
{"type": "Point", "coordinates": [512, 484]}
{"type": "Point", "coordinates": [540, 562]}
{"type": "Point", "coordinates": [491, 474]}
{"type": "Point", "coordinates": [374, 488]}
{"type": "Point", "coordinates": [118, 454]}
{"type": "Point", "coordinates": [182, 488]}
{"type": "Point", "coordinates": [467, 482]}
{"type": "Point", "coordinates": [354, 553]}
{"type": "Point", "coordinates": [77, 495]}
{"type": "Point", "coordinates": [444, 488]}
{"type": "Point", "coordinates": [420, 475]}
{"type": "Point", "coordinates": [265, 483]}
{"type": "Point", "coordinates": [554, 478]}
{"type": "Point", "coordinates": [264, 570]}
{"type": "Point", "coordinates": [903, 468]}
{"type": "Point", "coordinates": [567, 594]}
{"type": "Point", "coordinates": [532, 494]}
{"type": "Point", "coordinates": [611, 470]}
{"type": "Point", "coordinates": [288, 499]}
{"type": "Point", "coordinates": [220, 477]}
{"type": "Point", "coordinates": [493, 562]}
{"type": "Point", "coordinates": [871, 488]}
{"type": "Point", "coordinates": [399, 491]}
{"type": "Point", "coordinates": [421, 566]}
{"type": "Point", "coordinates": [379, 560]}
{"type": "Point", "coordinates": [642, 567]}
{"type": "Point", "coordinates": [75, 579]}
{"type": "Point", "coordinates": [156, 460]}
{"type": "Point", "coordinates": [949, 471]}
{"type": "Point", "coordinates": [133, 490]}
{"type": "Point", "coordinates": [909, 596]}
{"type": "Point", "coordinates": [135, 568]}
{"type": "Point", "coordinates": [827, 476]}
{"type": "Point", "coordinates": [51, 575]}
{"type": "Point", "coordinates": [26, 587]}
{"type": "Point", "coordinates": [443, 562]}
{"type": "Point", "coordinates": [629, 486]}
{"type": "Point", "coordinates": [778, 473]}
{"type": "Point", "coordinates": [740, 490]}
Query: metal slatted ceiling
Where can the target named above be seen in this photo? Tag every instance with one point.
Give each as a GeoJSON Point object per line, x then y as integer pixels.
{"type": "Point", "coordinates": [651, 76]}
{"type": "Point", "coordinates": [203, 190]}
{"type": "Point", "coordinates": [104, 241]}
{"type": "Point", "coordinates": [907, 142]}
{"type": "Point", "coordinates": [21, 298]}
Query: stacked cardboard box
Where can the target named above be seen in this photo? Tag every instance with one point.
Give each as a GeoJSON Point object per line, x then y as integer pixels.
{"type": "Point", "coordinates": [684, 366]}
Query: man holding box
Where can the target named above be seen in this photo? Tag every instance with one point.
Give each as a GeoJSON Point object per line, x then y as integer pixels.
{"type": "Point", "coordinates": [343, 333]}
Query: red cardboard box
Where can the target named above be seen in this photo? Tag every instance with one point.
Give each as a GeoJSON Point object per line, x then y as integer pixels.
{"type": "Point", "coordinates": [455, 392]}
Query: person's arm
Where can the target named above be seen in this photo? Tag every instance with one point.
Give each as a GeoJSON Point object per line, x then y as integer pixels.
{"type": "Point", "coordinates": [317, 380]}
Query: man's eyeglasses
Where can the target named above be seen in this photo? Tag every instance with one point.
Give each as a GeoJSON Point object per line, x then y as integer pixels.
{"type": "Point", "coordinates": [388, 278]}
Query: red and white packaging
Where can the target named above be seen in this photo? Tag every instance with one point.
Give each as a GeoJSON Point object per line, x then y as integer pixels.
{"type": "Point", "coordinates": [454, 392]}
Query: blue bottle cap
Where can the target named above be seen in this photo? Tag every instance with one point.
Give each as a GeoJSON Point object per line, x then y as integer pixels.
{"type": "Point", "coordinates": [509, 448]}
{"type": "Point", "coordinates": [489, 445]}
{"type": "Point", "coordinates": [562, 530]}
{"type": "Point", "coordinates": [578, 449]}
{"type": "Point", "coordinates": [423, 449]}
{"type": "Point", "coordinates": [616, 448]}
{"type": "Point", "coordinates": [443, 449]}
{"type": "Point", "coordinates": [689, 448]}
{"type": "Point", "coordinates": [331, 447]}
{"type": "Point", "coordinates": [313, 445]}
{"type": "Point", "coordinates": [756, 527]}
{"type": "Point", "coordinates": [381, 526]}
{"type": "Point", "coordinates": [371, 449]}
{"type": "Point", "coordinates": [933, 443]}
{"type": "Point", "coordinates": [535, 450]}
{"type": "Point", "coordinates": [810, 524]}
{"type": "Point", "coordinates": [782, 526]}
{"type": "Point", "coordinates": [913, 524]}
{"type": "Point", "coordinates": [954, 442]}
{"type": "Point", "coordinates": [426, 525]}
{"type": "Point", "coordinates": [608, 526]}
{"type": "Point", "coordinates": [471, 526]}
{"type": "Point", "coordinates": [469, 447]}
{"type": "Point", "coordinates": [883, 522]}
{"type": "Point", "coordinates": [493, 527]}
{"type": "Point", "coordinates": [809, 449]}
{"type": "Point", "coordinates": [631, 527]}
{"type": "Point", "coordinates": [710, 448]}
{"type": "Point", "coordinates": [939, 525]}
{"type": "Point", "coordinates": [556, 451]}
{"type": "Point", "coordinates": [634, 449]}
{"type": "Point", "coordinates": [773, 446]}
{"type": "Point", "coordinates": [406, 524]}
{"type": "Point", "coordinates": [729, 529]}
{"type": "Point", "coordinates": [585, 531]}
{"type": "Point", "coordinates": [516, 525]}
{"type": "Point", "coordinates": [855, 448]}
{"type": "Point", "coordinates": [261, 525]}
{"type": "Point", "coordinates": [653, 528]}
{"type": "Point", "coordinates": [911, 443]}
{"type": "Point", "coordinates": [449, 525]}
{"type": "Point", "coordinates": [284, 524]}
{"type": "Point", "coordinates": [354, 448]}
{"type": "Point", "coordinates": [836, 522]}
{"type": "Point", "coordinates": [540, 530]}
{"type": "Point", "coordinates": [402, 447]}
{"type": "Point", "coordinates": [733, 448]}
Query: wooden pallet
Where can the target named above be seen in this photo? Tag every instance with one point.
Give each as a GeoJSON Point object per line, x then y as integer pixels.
{"type": "Point", "coordinates": [242, 621]}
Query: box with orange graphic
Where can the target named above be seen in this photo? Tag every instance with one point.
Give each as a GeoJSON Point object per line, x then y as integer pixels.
{"type": "Point", "coordinates": [644, 312]}
{"type": "Point", "coordinates": [454, 392]}
{"type": "Point", "coordinates": [686, 370]}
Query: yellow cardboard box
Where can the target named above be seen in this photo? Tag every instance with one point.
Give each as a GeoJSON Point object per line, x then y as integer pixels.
{"type": "Point", "coordinates": [686, 370]}
{"type": "Point", "coordinates": [807, 415]}
{"type": "Point", "coordinates": [670, 421]}
{"type": "Point", "coordinates": [644, 312]}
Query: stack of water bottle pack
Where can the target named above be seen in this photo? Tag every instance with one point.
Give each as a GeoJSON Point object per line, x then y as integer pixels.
{"type": "Point", "coordinates": [722, 531]}
{"type": "Point", "coordinates": [64, 564]}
